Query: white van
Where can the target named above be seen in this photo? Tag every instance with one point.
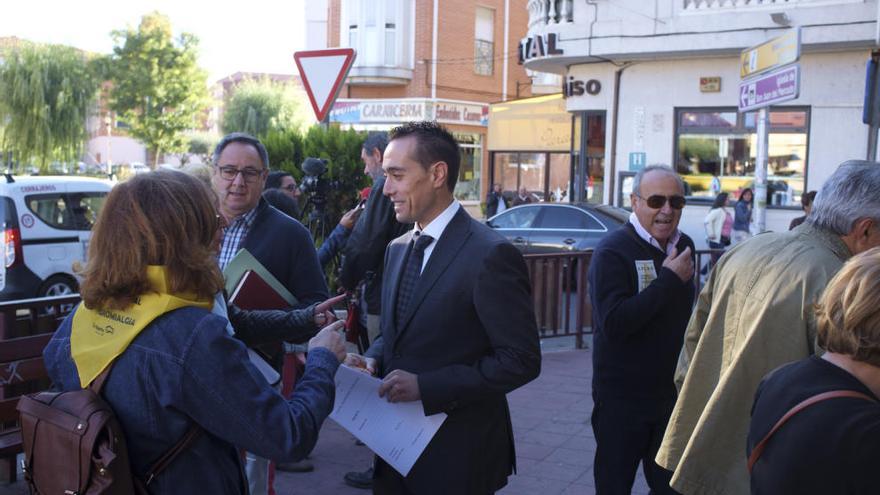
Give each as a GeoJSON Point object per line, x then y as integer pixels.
{"type": "Point", "coordinates": [47, 224]}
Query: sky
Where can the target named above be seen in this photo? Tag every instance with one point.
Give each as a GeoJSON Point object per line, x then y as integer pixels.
{"type": "Point", "coordinates": [248, 36]}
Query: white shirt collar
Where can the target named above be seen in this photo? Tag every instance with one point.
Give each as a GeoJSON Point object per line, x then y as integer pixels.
{"type": "Point", "coordinates": [436, 228]}
{"type": "Point", "coordinates": [438, 225]}
{"type": "Point", "coordinates": [644, 234]}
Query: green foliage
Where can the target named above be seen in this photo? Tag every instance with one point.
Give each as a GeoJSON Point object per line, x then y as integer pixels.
{"type": "Point", "coordinates": [46, 96]}
{"type": "Point", "coordinates": [285, 149]}
{"type": "Point", "coordinates": [158, 88]}
{"type": "Point", "coordinates": [202, 144]}
{"type": "Point", "coordinates": [343, 151]}
{"type": "Point", "coordinates": [258, 107]}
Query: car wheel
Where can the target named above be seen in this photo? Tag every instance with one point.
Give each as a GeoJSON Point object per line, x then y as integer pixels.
{"type": "Point", "coordinates": [58, 285]}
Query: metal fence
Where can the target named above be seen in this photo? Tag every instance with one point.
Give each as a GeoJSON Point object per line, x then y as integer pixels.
{"type": "Point", "coordinates": [560, 290]}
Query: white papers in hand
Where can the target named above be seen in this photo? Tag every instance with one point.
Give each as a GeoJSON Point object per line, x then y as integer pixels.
{"type": "Point", "coordinates": [398, 433]}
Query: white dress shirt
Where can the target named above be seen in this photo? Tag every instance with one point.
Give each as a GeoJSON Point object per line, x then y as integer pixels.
{"type": "Point", "coordinates": [435, 229]}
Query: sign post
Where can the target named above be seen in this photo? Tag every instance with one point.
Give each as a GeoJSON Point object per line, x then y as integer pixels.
{"type": "Point", "coordinates": [323, 72]}
{"type": "Point", "coordinates": [770, 75]}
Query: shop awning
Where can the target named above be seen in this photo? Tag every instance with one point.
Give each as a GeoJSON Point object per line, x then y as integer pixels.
{"type": "Point", "coordinates": [530, 124]}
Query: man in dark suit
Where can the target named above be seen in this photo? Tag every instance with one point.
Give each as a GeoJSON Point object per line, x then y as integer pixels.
{"type": "Point", "coordinates": [458, 326]}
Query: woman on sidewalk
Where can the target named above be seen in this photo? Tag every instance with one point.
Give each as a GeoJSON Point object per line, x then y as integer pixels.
{"type": "Point", "coordinates": [742, 216]}
{"type": "Point", "coordinates": [718, 224]}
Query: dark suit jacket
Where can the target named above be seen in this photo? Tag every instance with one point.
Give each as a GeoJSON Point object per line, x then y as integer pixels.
{"type": "Point", "coordinates": [364, 252]}
{"type": "Point", "coordinates": [286, 249]}
{"type": "Point", "coordinates": [470, 336]}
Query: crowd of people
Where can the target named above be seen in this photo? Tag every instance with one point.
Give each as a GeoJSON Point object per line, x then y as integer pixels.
{"type": "Point", "coordinates": [458, 331]}
{"type": "Point", "coordinates": [767, 381]}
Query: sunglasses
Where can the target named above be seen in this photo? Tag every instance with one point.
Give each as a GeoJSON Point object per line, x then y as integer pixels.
{"type": "Point", "coordinates": [656, 201]}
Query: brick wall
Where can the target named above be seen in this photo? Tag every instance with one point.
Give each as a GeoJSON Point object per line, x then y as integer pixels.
{"type": "Point", "coordinates": [456, 78]}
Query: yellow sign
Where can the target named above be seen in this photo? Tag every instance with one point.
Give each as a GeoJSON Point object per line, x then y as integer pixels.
{"type": "Point", "coordinates": [774, 53]}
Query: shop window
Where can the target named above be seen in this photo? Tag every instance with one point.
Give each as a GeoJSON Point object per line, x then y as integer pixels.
{"type": "Point", "coordinates": [716, 151]}
{"type": "Point", "coordinates": [468, 186]}
{"type": "Point", "coordinates": [484, 46]}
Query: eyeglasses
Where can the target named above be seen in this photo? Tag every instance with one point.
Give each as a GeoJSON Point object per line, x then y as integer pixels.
{"type": "Point", "coordinates": [656, 201]}
{"type": "Point", "coordinates": [250, 174]}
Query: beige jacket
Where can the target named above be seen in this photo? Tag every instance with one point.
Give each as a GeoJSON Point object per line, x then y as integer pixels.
{"type": "Point", "coordinates": [754, 314]}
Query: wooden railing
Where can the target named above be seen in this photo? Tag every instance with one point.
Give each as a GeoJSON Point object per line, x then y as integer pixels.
{"type": "Point", "coordinates": [559, 292]}
{"type": "Point", "coordinates": [25, 328]}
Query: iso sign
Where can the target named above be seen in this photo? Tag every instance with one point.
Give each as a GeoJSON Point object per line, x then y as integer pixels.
{"type": "Point", "coordinates": [769, 89]}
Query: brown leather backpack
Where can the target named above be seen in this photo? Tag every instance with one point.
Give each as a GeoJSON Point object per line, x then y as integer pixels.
{"type": "Point", "coordinates": [74, 445]}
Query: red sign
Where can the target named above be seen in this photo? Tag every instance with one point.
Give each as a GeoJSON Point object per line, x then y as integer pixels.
{"type": "Point", "coordinates": [322, 73]}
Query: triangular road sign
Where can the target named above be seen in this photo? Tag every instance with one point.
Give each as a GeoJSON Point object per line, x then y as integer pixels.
{"type": "Point", "coordinates": [322, 73]}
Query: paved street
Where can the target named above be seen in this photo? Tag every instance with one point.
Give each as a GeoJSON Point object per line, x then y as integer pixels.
{"type": "Point", "coordinates": [554, 442]}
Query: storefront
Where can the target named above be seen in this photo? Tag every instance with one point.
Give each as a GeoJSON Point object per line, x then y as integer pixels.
{"type": "Point", "coordinates": [536, 144]}
{"type": "Point", "coordinates": [467, 121]}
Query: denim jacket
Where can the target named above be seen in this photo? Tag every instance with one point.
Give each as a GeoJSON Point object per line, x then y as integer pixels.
{"type": "Point", "coordinates": [183, 368]}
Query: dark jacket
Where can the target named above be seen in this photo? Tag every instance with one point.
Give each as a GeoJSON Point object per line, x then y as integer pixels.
{"type": "Point", "coordinates": [470, 336]}
{"type": "Point", "coordinates": [492, 203]}
{"type": "Point", "coordinates": [286, 249]}
{"type": "Point", "coordinates": [184, 368]}
{"type": "Point", "coordinates": [637, 334]}
{"type": "Point", "coordinates": [364, 252]}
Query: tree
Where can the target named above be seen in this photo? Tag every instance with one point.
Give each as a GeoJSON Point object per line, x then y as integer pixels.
{"type": "Point", "coordinates": [258, 107]}
{"type": "Point", "coordinates": [158, 88]}
{"type": "Point", "coordinates": [202, 145]}
{"type": "Point", "coordinates": [46, 96]}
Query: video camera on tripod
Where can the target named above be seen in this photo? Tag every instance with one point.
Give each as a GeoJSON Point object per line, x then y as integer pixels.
{"type": "Point", "coordinates": [316, 187]}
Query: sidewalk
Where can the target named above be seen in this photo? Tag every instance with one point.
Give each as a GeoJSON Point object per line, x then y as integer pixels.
{"type": "Point", "coordinates": [554, 441]}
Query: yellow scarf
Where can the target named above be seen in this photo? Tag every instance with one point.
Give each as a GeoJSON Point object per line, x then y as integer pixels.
{"type": "Point", "coordinates": [98, 336]}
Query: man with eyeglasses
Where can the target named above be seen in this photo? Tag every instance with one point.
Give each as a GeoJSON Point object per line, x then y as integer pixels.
{"type": "Point", "coordinates": [641, 290]}
{"type": "Point", "coordinates": [278, 242]}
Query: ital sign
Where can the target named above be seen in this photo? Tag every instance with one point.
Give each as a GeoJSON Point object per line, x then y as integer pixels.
{"type": "Point", "coordinates": [770, 89]}
{"type": "Point", "coordinates": [539, 45]}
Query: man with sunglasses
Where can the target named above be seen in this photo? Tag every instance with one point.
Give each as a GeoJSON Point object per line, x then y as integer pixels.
{"type": "Point", "coordinates": [641, 290]}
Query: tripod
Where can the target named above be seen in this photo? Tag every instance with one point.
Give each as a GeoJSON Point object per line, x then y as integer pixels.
{"type": "Point", "coordinates": [314, 217]}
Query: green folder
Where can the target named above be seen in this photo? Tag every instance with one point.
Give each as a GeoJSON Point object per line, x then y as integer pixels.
{"type": "Point", "coordinates": [244, 261]}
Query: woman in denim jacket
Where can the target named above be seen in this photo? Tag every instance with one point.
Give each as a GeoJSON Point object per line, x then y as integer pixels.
{"type": "Point", "coordinates": [147, 296]}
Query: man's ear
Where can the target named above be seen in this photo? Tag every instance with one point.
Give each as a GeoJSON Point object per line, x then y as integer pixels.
{"type": "Point", "coordinates": [377, 155]}
{"type": "Point", "coordinates": [439, 174]}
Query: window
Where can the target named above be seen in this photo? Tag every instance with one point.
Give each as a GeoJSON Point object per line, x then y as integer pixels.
{"type": "Point", "coordinates": [467, 187]}
{"type": "Point", "coordinates": [519, 218]}
{"type": "Point", "coordinates": [484, 46]}
{"type": "Point", "coordinates": [721, 143]}
{"type": "Point", "coordinates": [74, 211]}
{"type": "Point", "coordinates": [379, 31]}
{"type": "Point", "coordinates": [566, 217]}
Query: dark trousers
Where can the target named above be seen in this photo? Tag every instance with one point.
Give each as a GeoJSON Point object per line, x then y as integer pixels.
{"type": "Point", "coordinates": [387, 481]}
{"type": "Point", "coordinates": [629, 431]}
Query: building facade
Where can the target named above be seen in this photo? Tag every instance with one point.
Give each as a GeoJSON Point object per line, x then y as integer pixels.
{"type": "Point", "coordinates": [658, 82]}
{"type": "Point", "coordinates": [431, 60]}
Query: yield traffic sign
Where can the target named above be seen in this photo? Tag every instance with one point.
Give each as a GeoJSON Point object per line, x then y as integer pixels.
{"type": "Point", "coordinates": [322, 73]}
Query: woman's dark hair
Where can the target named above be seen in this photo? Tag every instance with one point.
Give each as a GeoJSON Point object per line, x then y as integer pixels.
{"type": "Point", "coordinates": [720, 200]}
{"type": "Point", "coordinates": [743, 193]}
{"type": "Point", "coordinates": [161, 218]}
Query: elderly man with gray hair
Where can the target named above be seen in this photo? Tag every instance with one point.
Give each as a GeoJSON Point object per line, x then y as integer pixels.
{"type": "Point", "coordinates": [641, 289]}
{"type": "Point", "coordinates": [755, 314]}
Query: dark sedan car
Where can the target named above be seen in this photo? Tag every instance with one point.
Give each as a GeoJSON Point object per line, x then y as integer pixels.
{"type": "Point", "coordinates": [557, 227]}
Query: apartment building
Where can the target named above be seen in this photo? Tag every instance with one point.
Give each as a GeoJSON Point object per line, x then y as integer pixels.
{"type": "Point", "coordinates": [430, 60]}
{"type": "Point", "coordinates": [658, 82]}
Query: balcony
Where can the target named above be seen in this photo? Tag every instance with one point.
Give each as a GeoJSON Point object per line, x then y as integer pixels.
{"type": "Point", "coordinates": [692, 5]}
{"type": "Point", "coordinates": [550, 12]}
